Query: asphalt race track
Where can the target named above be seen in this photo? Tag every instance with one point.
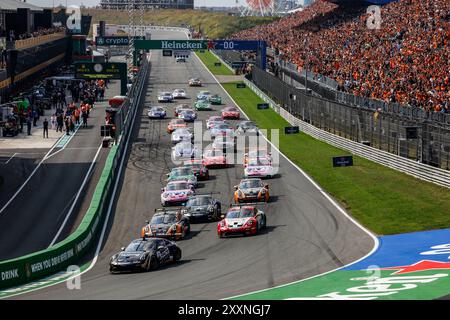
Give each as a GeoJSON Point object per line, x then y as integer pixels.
{"type": "Point", "coordinates": [306, 233]}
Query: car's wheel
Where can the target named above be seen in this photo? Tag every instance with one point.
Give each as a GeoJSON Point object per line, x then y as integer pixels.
{"type": "Point", "coordinates": [111, 269]}
{"type": "Point", "coordinates": [148, 264]}
{"type": "Point", "coordinates": [154, 263]}
{"type": "Point", "coordinates": [4, 133]}
{"type": "Point", "coordinates": [177, 255]}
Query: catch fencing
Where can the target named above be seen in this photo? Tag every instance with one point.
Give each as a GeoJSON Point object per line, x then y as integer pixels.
{"type": "Point", "coordinates": [404, 134]}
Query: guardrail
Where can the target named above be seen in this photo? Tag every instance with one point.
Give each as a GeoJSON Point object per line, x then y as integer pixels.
{"type": "Point", "coordinates": [416, 169]}
{"type": "Point", "coordinates": [57, 257]}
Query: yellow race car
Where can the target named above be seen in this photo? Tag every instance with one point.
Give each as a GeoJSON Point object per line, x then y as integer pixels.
{"type": "Point", "coordinates": [251, 190]}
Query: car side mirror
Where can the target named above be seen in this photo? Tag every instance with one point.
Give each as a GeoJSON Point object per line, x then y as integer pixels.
{"type": "Point", "coordinates": [266, 186]}
{"type": "Point", "coordinates": [168, 174]}
{"type": "Point", "coordinates": [235, 187]}
{"type": "Point", "coordinates": [122, 249]}
{"type": "Point", "coordinates": [162, 189]}
{"type": "Point", "coordinates": [147, 221]}
{"type": "Point", "coordinates": [160, 248]}
{"type": "Point", "coordinates": [222, 216]}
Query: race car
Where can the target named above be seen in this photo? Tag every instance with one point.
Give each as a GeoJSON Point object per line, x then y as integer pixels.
{"type": "Point", "coordinates": [179, 94]}
{"type": "Point", "coordinates": [215, 158]}
{"type": "Point", "coordinates": [203, 95]}
{"type": "Point", "coordinates": [242, 220]}
{"type": "Point", "coordinates": [180, 108]}
{"type": "Point", "coordinates": [182, 134]}
{"type": "Point", "coordinates": [257, 153]}
{"type": "Point", "coordinates": [212, 121]}
{"type": "Point", "coordinates": [156, 113]}
{"type": "Point", "coordinates": [145, 254]}
{"type": "Point", "coordinates": [165, 97]}
{"type": "Point", "coordinates": [198, 168]}
{"type": "Point", "coordinates": [222, 129]}
{"type": "Point", "coordinates": [226, 143]}
{"type": "Point", "coordinates": [230, 113]}
{"type": "Point", "coordinates": [180, 59]}
{"type": "Point", "coordinates": [202, 207]}
{"type": "Point", "coordinates": [195, 82]}
{"type": "Point", "coordinates": [182, 174]}
{"type": "Point", "coordinates": [167, 223]}
{"type": "Point", "coordinates": [259, 167]}
{"type": "Point", "coordinates": [215, 99]}
{"type": "Point", "coordinates": [175, 124]}
{"type": "Point", "coordinates": [176, 192]}
{"type": "Point", "coordinates": [246, 127]}
{"type": "Point", "coordinates": [187, 115]}
{"type": "Point", "coordinates": [185, 151]}
{"type": "Point", "coordinates": [202, 105]}
{"type": "Point", "coordinates": [251, 190]}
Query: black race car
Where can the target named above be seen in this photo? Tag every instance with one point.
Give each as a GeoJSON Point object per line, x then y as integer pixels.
{"type": "Point", "coordinates": [167, 223]}
{"type": "Point", "coordinates": [203, 207]}
{"type": "Point", "coordinates": [145, 254]}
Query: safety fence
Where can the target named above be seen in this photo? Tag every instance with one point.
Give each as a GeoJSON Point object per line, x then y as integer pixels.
{"type": "Point", "coordinates": [307, 121]}
{"type": "Point", "coordinates": [67, 252]}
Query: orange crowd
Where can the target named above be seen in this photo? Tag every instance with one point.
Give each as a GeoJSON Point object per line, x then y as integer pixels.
{"type": "Point", "coordinates": [405, 61]}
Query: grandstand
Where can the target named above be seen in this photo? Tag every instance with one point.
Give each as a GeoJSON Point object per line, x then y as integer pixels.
{"type": "Point", "coordinates": [406, 61]}
{"type": "Point", "coordinates": [148, 4]}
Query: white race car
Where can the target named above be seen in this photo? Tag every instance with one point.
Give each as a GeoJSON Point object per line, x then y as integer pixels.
{"type": "Point", "coordinates": [226, 143]}
{"type": "Point", "coordinates": [259, 168]}
{"type": "Point", "coordinates": [182, 134]}
{"type": "Point", "coordinates": [156, 112]}
{"type": "Point", "coordinates": [165, 97]}
{"type": "Point", "coordinates": [179, 94]}
{"type": "Point", "coordinates": [185, 150]}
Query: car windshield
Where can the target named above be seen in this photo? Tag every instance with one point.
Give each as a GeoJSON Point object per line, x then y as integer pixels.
{"type": "Point", "coordinates": [248, 184]}
{"type": "Point", "coordinates": [177, 186]}
{"type": "Point", "coordinates": [240, 213]}
{"type": "Point", "coordinates": [177, 121]}
{"type": "Point", "coordinates": [230, 109]}
{"type": "Point", "coordinates": [213, 153]}
{"type": "Point", "coordinates": [181, 171]}
{"type": "Point", "coordinates": [257, 153]}
{"type": "Point", "coordinates": [198, 201]}
{"type": "Point", "coordinates": [247, 125]}
{"type": "Point", "coordinates": [188, 112]}
{"type": "Point", "coordinates": [193, 166]}
{"type": "Point", "coordinates": [216, 118]}
{"type": "Point", "coordinates": [223, 126]}
{"type": "Point", "coordinates": [179, 90]}
{"type": "Point", "coordinates": [183, 146]}
{"type": "Point", "coordinates": [204, 93]}
{"type": "Point", "coordinates": [259, 162]}
{"type": "Point", "coordinates": [163, 218]}
{"type": "Point", "coordinates": [157, 109]}
{"type": "Point", "coordinates": [139, 246]}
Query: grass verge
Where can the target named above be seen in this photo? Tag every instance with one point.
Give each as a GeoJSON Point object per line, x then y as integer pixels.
{"type": "Point", "coordinates": [215, 25]}
{"type": "Point", "coordinates": [209, 59]}
{"type": "Point", "coordinates": [384, 200]}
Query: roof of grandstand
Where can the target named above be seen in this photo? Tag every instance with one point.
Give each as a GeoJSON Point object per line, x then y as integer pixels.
{"type": "Point", "coordinates": [13, 5]}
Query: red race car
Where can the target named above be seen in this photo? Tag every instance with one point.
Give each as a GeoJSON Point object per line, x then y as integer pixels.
{"type": "Point", "coordinates": [199, 169]}
{"type": "Point", "coordinates": [242, 220]}
{"type": "Point", "coordinates": [175, 124]}
{"type": "Point", "coordinates": [230, 113]}
{"type": "Point", "coordinates": [215, 158]}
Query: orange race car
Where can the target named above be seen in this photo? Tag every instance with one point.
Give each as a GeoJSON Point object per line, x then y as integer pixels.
{"type": "Point", "coordinates": [251, 190]}
{"type": "Point", "coordinates": [175, 124]}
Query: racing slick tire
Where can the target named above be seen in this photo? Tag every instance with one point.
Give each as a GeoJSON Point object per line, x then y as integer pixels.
{"type": "Point", "coordinates": [148, 264]}
{"type": "Point", "coordinates": [177, 255]}
{"type": "Point", "coordinates": [154, 264]}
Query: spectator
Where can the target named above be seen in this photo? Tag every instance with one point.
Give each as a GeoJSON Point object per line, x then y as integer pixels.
{"type": "Point", "coordinates": [406, 61]}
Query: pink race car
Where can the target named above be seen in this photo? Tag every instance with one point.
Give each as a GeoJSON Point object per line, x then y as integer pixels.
{"type": "Point", "coordinates": [176, 192]}
{"type": "Point", "coordinates": [259, 168]}
{"type": "Point", "coordinates": [230, 113]}
{"type": "Point", "coordinates": [215, 158]}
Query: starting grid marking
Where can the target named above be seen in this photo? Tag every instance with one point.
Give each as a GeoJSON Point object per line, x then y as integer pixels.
{"type": "Point", "coordinates": [66, 138]}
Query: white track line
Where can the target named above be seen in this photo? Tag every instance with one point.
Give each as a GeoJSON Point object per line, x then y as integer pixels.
{"type": "Point", "coordinates": [69, 213]}
{"type": "Point", "coordinates": [341, 210]}
{"type": "Point", "coordinates": [11, 158]}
